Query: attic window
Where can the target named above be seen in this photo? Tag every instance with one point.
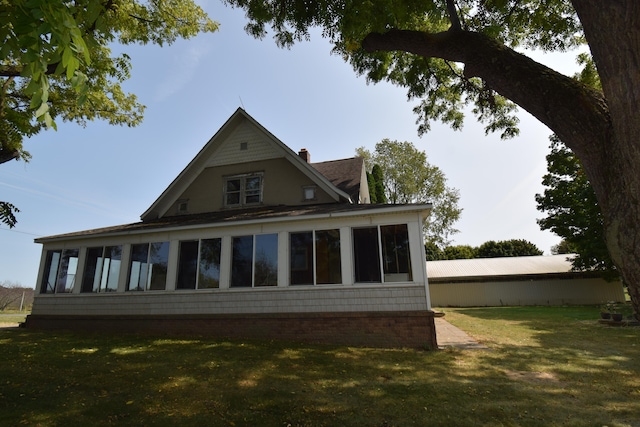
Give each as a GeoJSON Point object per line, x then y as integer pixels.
{"type": "Point", "coordinates": [244, 146]}
{"type": "Point", "coordinates": [183, 206]}
{"type": "Point", "coordinates": [309, 193]}
{"type": "Point", "coordinates": [242, 190]}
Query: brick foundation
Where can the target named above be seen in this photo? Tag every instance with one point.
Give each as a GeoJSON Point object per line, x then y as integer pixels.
{"type": "Point", "coordinates": [376, 329]}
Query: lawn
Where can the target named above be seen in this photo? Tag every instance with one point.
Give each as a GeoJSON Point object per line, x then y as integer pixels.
{"type": "Point", "coordinates": [544, 367]}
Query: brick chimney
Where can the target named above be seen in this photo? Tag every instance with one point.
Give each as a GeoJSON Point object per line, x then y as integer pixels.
{"type": "Point", "coordinates": [305, 155]}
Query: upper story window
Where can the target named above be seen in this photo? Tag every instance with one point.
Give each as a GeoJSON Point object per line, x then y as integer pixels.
{"type": "Point", "coordinates": [241, 190]}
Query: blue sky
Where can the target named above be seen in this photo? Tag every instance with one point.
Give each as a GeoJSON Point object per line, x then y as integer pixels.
{"type": "Point", "coordinates": [101, 175]}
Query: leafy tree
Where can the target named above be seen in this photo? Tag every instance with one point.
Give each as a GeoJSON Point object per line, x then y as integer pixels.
{"type": "Point", "coordinates": [572, 211]}
{"type": "Point", "coordinates": [507, 248]}
{"type": "Point", "coordinates": [56, 61]}
{"type": "Point", "coordinates": [375, 182]}
{"type": "Point", "coordinates": [433, 252]}
{"type": "Point", "coordinates": [563, 247]}
{"type": "Point", "coordinates": [378, 181]}
{"type": "Point", "coordinates": [409, 178]}
{"type": "Point", "coordinates": [453, 53]}
{"type": "Point", "coordinates": [459, 252]}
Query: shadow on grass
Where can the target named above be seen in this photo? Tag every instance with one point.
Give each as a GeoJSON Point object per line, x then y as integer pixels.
{"type": "Point", "coordinates": [57, 378]}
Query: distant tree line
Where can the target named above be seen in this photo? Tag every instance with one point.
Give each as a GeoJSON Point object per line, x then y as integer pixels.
{"type": "Point", "coordinates": [489, 249]}
{"type": "Point", "coordinates": [12, 294]}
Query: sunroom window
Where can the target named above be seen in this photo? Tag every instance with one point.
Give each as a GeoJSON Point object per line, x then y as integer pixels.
{"type": "Point", "coordinates": [393, 262]}
{"type": "Point", "coordinates": [315, 257]}
{"type": "Point", "coordinates": [60, 271]}
{"type": "Point", "coordinates": [199, 264]}
{"type": "Point", "coordinates": [254, 261]}
{"type": "Point", "coordinates": [242, 190]}
{"type": "Point", "coordinates": [148, 266]}
{"type": "Point", "coordinates": [102, 269]}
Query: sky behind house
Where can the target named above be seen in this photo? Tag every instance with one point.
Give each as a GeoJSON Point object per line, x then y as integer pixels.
{"type": "Point", "coordinates": [101, 175]}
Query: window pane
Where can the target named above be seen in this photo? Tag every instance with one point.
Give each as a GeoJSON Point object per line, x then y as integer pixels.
{"type": "Point", "coordinates": [52, 263]}
{"type": "Point", "coordinates": [266, 264]}
{"type": "Point", "coordinates": [67, 271]}
{"type": "Point", "coordinates": [158, 262]}
{"type": "Point", "coordinates": [252, 184]}
{"type": "Point", "coordinates": [92, 270]}
{"type": "Point", "coordinates": [366, 254]}
{"type": "Point", "coordinates": [138, 267]}
{"type": "Point", "coordinates": [328, 263]}
{"type": "Point", "coordinates": [187, 265]}
{"type": "Point", "coordinates": [233, 185]}
{"type": "Point", "coordinates": [241, 261]}
{"type": "Point", "coordinates": [301, 258]}
{"type": "Point", "coordinates": [395, 253]}
{"type": "Point", "coordinates": [111, 270]}
{"type": "Point", "coordinates": [209, 276]}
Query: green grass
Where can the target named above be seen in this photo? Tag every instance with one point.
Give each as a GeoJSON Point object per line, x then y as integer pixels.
{"type": "Point", "coordinates": [545, 367]}
{"type": "Point", "coordinates": [12, 316]}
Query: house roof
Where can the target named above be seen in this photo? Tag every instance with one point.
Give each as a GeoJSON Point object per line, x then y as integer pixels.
{"type": "Point", "coordinates": [346, 174]}
{"type": "Point", "coordinates": [208, 157]}
{"type": "Point", "coordinates": [483, 268]}
{"type": "Point", "coordinates": [242, 216]}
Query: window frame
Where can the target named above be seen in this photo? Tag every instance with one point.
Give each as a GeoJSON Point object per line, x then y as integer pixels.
{"type": "Point", "coordinates": [243, 192]}
{"type": "Point", "coordinates": [309, 261]}
{"type": "Point", "coordinates": [150, 281]}
{"type": "Point", "coordinates": [382, 268]}
{"type": "Point", "coordinates": [61, 283]}
{"type": "Point", "coordinates": [252, 271]}
{"type": "Point", "coordinates": [99, 270]}
{"type": "Point", "coordinates": [198, 279]}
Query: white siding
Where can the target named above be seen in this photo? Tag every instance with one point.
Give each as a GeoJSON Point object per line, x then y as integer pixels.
{"type": "Point", "coordinates": [258, 148]}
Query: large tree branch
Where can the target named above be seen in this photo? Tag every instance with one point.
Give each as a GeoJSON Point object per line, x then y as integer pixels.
{"type": "Point", "coordinates": [578, 114]}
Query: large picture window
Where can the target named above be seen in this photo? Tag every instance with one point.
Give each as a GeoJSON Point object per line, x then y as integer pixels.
{"type": "Point", "coordinates": [315, 257]}
{"type": "Point", "coordinates": [242, 190]}
{"type": "Point", "coordinates": [148, 267]}
{"type": "Point", "coordinates": [394, 261]}
{"type": "Point", "coordinates": [254, 261]}
{"type": "Point", "coordinates": [199, 264]}
{"type": "Point", "coordinates": [59, 271]}
{"type": "Point", "coordinates": [102, 269]}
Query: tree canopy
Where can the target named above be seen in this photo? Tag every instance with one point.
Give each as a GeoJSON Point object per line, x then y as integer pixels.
{"type": "Point", "coordinates": [56, 60]}
{"type": "Point", "coordinates": [507, 248]}
{"type": "Point", "coordinates": [408, 177]}
{"type": "Point", "coordinates": [572, 210]}
{"type": "Point", "coordinates": [56, 63]}
{"type": "Point", "coordinates": [455, 55]}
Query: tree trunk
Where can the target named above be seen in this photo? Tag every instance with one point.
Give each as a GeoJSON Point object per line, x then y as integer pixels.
{"type": "Point", "coordinates": [615, 46]}
{"type": "Point", "coordinates": [602, 128]}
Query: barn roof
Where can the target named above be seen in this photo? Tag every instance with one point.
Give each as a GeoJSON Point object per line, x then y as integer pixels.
{"type": "Point", "coordinates": [476, 268]}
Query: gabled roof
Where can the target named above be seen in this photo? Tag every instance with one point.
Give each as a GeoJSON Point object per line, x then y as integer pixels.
{"type": "Point", "coordinates": [346, 174]}
{"type": "Point", "coordinates": [212, 154]}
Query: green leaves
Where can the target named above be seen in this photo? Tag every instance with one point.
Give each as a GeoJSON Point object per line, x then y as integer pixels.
{"type": "Point", "coordinates": [55, 60]}
{"type": "Point", "coordinates": [572, 210]}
